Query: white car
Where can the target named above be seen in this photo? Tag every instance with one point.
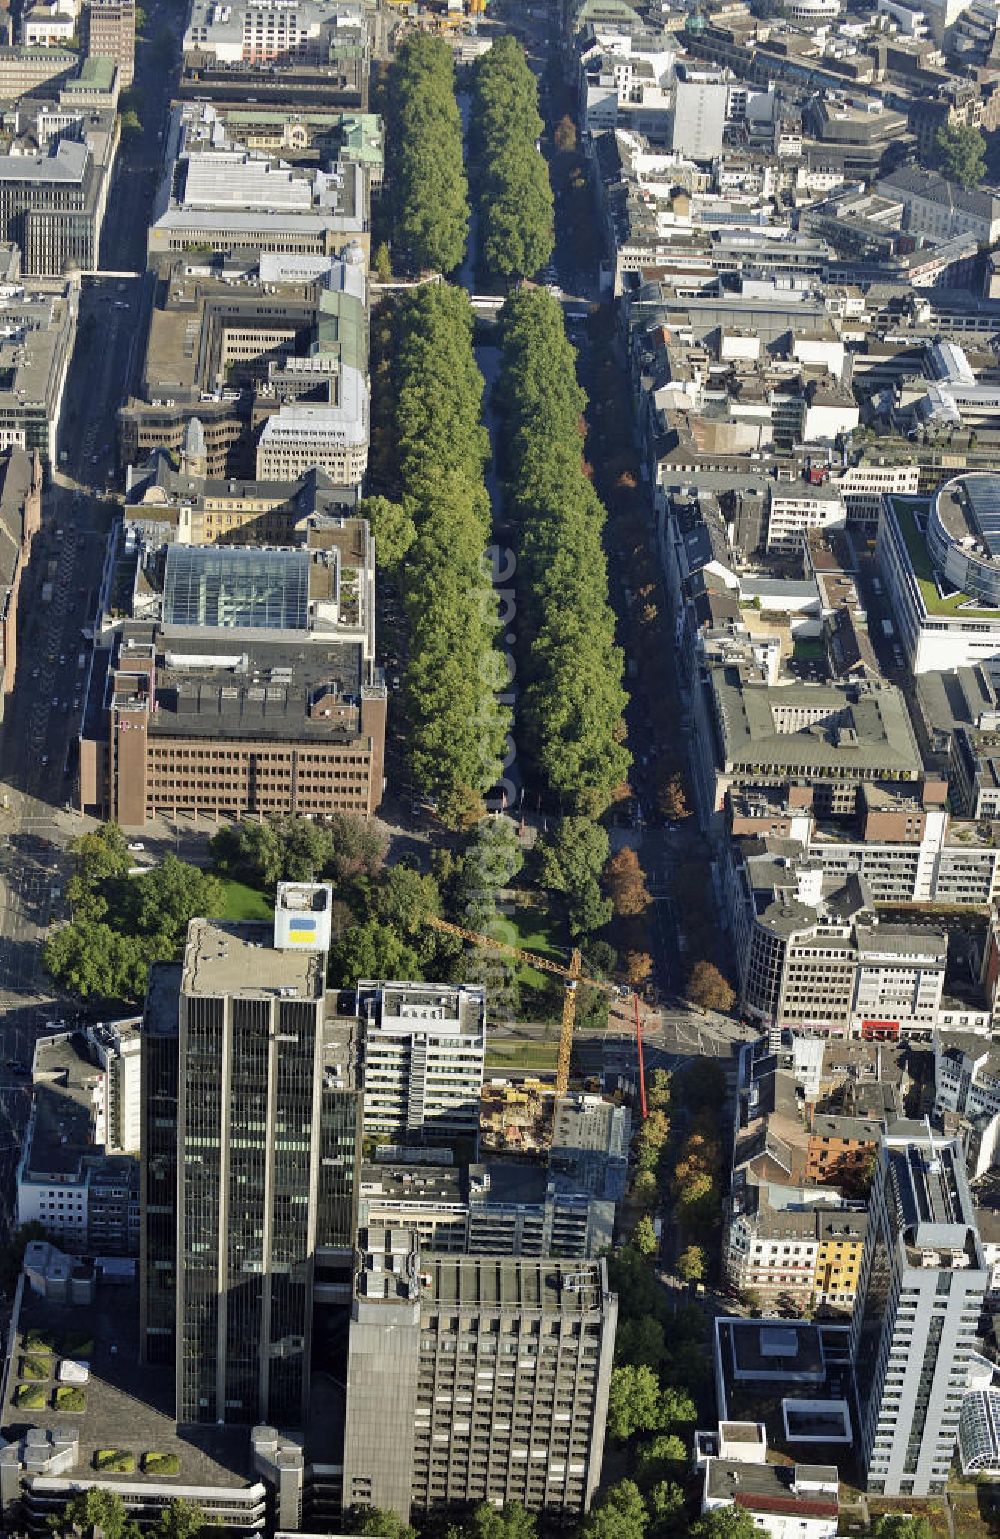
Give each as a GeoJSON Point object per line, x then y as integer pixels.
{"type": "Point", "coordinates": [136, 847]}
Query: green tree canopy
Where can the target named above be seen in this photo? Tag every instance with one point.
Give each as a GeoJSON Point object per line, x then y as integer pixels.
{"type": "Point", "coordinates": [725, 1523]}
{"type": "Point", "coordinates": [662, 1458]}
{"type": "Point", "coordinates": [644, 1237]}
{"type": "Point", "coordinates": [96, 1508]}
{"type": "Point", "coordinates": [640, 1339]}
{"type": "Point", "coordinates": [512, 181]}
{"type": "Point", "coordinates": [691, 1264]}
{"type": "Point", "coordinates": [898, 1525]}
{"type": "Point", "coordinates": [425, 170]}
{"type": "Point", "coordinates": [376, 1523]}
{"type": "Point", "coordinates": [570, 670]}
{"type": "Point", "coordinates": [121, 925]}
{"type": "Point", "coordinates": [392, 528]}
{"type": "Point", "coordinates": [633, 1401]}
{"type": "Point", "coordinates": [571, 860]}
{"type": "Point", "coordinates": [181, 1519]}
{"type": "Point", "coordinates": [960, 154]}
{"type": "Point", "coordinates": [620, 1514]}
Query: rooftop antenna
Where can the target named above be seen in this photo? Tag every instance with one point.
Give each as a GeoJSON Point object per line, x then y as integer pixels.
{"type": "Point", "coordinates": [933, 1163]}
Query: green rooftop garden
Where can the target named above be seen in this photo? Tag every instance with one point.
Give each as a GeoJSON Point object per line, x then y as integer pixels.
{"type": "Point", "coordinates": [956, 603]}
{"type": "Point", "coordinates": [156, 1463]}
{"type": "Point", "coordinates": [115, 1461]}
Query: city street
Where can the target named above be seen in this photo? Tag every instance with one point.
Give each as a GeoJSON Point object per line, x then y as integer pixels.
{"type": "Point", "coordinates": [59, 593]}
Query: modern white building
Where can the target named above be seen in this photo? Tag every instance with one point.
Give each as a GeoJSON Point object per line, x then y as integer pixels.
{"type": "Point", "coordinates": [117, 1046]}
{"type": "Point", "coordinates": [923, 1281]}
{"type": "Point", "coordinates": [269, 31]}
{"type": "Point", "coordinates": [940, 561]}
{"type": "Point", "coordinates": [798, 1501]}
{"type": "Point", "coordinates": [422, 1061]}
{"type": "Point", "coordinates": [793, 511]}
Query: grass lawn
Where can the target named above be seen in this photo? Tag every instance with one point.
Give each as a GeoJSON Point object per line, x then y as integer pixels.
{"type": "Point", "coordinates": [933, 1511]}
{"type": "Point", "coordinates": [69, 1398]}
{"type": "Point", "coordinates": [35, 1367]}
{"type": "Point", "coordinates": [955, 603]}
{"type": "Point", "coordinates": [242, 902]}
{"type": "Point", "coordinates": [77, 1344]}
{"type": "Point", "coordinates": [510, 1053]}
{"type": "Point", "coordinates": [39, 1341]}
{"type": "Point", "coordinates": [531, 929]}
{"type": "Point", "coordinates": [808, 649]}
{"type": "Point", "coordinates": [29, 1397]}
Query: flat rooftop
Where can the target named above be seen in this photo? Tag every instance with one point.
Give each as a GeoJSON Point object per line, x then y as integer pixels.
{"type": "Point", "coordinates": [130, 1404]}
{"type": "Point", "coordinates": [212, 683]}
{"type": "Point", "coordinates": [421, 1006]}
{"type": "Point", "coordinates": [62, 1126]}
{"type": "Point", "coordinates": [239, 959]}
{"type": "Point", "coordinates": [520, 1282]}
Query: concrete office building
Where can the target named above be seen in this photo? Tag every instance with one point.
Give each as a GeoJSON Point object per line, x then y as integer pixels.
{"type": "Point", "coordinates": [267, 1141]}
{"type": "Point", "coordinates": [332, 437]}
{"type": "Point", "coordinates": [699, 116]}
{"type": "Point", "coordinates": [38, 325]}
{"type": "Point", "coordinates": [232, 201]}
{"type": "Point", "coordinates": [117, 1046]}
{"type": "Point", "coordinates": [52, 203]}
{"type": "Point", "coordinates": [506, 1208]}
{"type": "Point", "coordinates": [479, 1378]}
{"type": "Point", "coordinates": [109, 33]}
{"type": "Point", "coordinates": [271, 329]}
{"type": "Point", "coordinates": [833, 738]}
{"type": "Point", "coordinates": [813, 956]}
{"type": "Point", "coordinates": [921, 1291]}
{"type": "Point", "coordinates": [423, 1051]}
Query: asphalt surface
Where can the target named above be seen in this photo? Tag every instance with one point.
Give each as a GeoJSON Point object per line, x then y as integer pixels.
{"type": "Point", "coordinates": [59, 593]}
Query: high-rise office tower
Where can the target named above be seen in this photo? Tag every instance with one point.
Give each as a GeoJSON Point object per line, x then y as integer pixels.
{"type": "Point", "coordinates": [266, 1145]}
{"type": "Point", "coordinates": [424, 1048]}
{"type": "Point", "coordinates": [475, 1378]}
{"type": "Point", "coordinates": [923, 1277]}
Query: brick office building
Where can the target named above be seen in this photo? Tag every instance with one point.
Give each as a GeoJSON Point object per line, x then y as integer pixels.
{"type": "Point", "coordinates": [256, 693]}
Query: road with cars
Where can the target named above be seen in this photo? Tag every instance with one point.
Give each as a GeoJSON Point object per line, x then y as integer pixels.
{"type": "Point", "coordinates": [59, 595]}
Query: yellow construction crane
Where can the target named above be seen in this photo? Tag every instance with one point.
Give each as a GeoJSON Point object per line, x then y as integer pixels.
{"type": "Point", "coordinates": [571, 975]}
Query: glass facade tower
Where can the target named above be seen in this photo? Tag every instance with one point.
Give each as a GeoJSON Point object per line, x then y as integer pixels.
{"type": "Point", "coordinates": [265, 1149]}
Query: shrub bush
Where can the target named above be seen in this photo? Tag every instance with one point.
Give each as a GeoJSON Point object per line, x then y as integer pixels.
{"type": "Point", "coordinates": [116, 1461]}
{"type": "Point", "coordinates": [154, 1463]}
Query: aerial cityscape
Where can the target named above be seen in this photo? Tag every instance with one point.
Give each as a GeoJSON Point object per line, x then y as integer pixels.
{"type": "Point", "coordinates": [500, 769]}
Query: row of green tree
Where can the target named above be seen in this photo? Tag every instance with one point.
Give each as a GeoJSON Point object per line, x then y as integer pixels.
{"type": "Point", "coordinates": [455, 723]}
{"type": "Point", "coordinates": [659, 1509]}
{"type": "Point", "coordinates": [296, 849]}
{"type": "Point", "coordinates": [120, 924]}
{"type": "Point", "coordinates": [571, 698]}
{"type": "Point", "coordinates": [101, 1508]}
{"type": "Point", "coordinates": [511, 179]}
{"type": "Point", "coordinates": [427, 188]}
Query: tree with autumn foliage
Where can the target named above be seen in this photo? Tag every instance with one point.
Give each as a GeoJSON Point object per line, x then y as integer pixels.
{"type": "Point", "coordinates": [708, 989]}
{"type": "Point", "coordinates": [626, 884]}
